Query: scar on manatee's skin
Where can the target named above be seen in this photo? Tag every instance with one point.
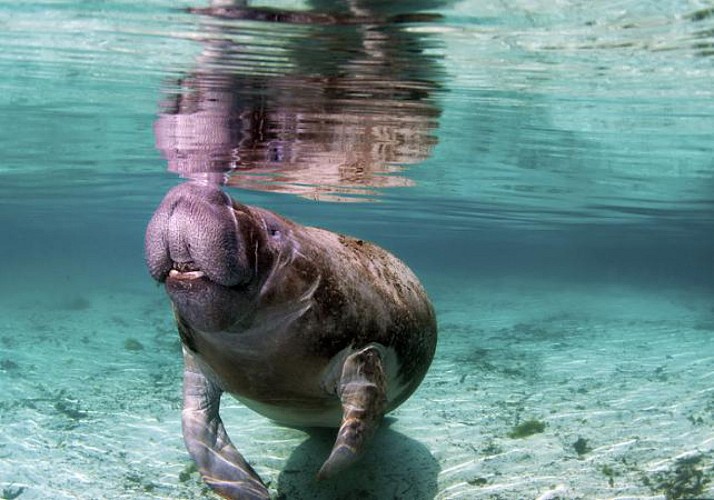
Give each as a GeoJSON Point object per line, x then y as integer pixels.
{"type": "Point", "coordinates": [305, 326]}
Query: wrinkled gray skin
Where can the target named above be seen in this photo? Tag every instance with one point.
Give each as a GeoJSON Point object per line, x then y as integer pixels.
{"type": "Point", "coordinates": [305, 326]}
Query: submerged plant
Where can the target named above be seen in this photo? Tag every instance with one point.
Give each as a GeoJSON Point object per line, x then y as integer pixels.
{"type": "Point", "coordinates": [610, 474]}
{"type": "Point", "coordinates": [11, 493]}
{"type": "Point", "coordinates": [69, 406]}
{"type": "Point", "coordinates": [133, 345]}
{"type": "Point", "coordinates": [185, 474]}
{"type": "Point", "coordinates": [581, 446]}
{"type": "Point", "coordinates": [8, 365]}
{"type": "Point", "coordinates": [686, 480]}
{"type": "Point", "coordinates": [527, 428]}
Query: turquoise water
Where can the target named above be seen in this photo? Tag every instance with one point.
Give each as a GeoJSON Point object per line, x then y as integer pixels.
{"type": "Point", "coordinates": [546, 168]}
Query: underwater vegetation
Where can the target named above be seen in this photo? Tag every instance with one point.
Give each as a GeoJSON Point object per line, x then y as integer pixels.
{"type": "Point", "coordinates": [60, 402]}
{"type": "Point", "coordinates": [188, 471]}
{"type": "Point", "coordinates": [70, 409]}
{"type": "Point", "coordinates": [581, 446]}
{"type": "Point", "coordinates": [134, 481]}
{"type": "Point", "coordinates": [11, 493]}
{"type": "Point", "coordinates": [685, 481]}
{"type": "Point", "coordinates": [8, 365]}
{"type": "Point", "coordinates": [527, 428]}
{"type": "Point", "coordinates": [701, 15]}
{"type": "Point", "coordinates": [610, 473]}
{"type": "Point", "coordinates": [133, 345]}
{"type": "Point", "coordinates": [505, 362]}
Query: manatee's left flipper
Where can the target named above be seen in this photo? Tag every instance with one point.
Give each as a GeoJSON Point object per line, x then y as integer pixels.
{"type": "Point", "coordinates": [362, 390]}
{"type": "Point", "coordinates": [223, 468]}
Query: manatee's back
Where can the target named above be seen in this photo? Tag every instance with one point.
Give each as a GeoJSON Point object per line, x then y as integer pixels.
{"type": "Point", "coordinates": [370, 296]}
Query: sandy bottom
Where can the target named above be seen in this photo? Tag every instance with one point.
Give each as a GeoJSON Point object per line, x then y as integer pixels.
{"type": "Point", "coordinates": [615, 386]}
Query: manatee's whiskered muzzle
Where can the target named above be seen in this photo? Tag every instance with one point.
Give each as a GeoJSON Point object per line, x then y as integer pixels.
{"type": "Point", "coordinates": [195, 233]}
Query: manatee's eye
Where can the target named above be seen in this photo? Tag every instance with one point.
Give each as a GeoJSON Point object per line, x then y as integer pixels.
{"type": "Point", "coordinates": [276, 153]}
{"type": "Point", "coordinates": [274, 232]}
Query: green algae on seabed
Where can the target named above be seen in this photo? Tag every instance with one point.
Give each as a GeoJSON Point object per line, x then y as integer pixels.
{"type": "Point", "coordinates": [133, 345]}
{"type": "Point", "coordinates": [11, 493]}
{"type": "Point", "coordinates": [687, 479]}
{"type": "Point", "coordinates": [581, 447]}
{"type": "Point", "coordinates": [527, 428]}
{"type": "Point", "coordinates": [610, 474]}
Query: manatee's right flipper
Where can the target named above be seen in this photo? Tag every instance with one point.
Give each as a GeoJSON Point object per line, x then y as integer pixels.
{"type": "Point", "coordinates": [363, 392]}
{"type": "Point", "coordinates": [222, 467]}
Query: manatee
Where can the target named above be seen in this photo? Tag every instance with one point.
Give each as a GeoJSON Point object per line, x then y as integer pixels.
{"type": "Point", "coordinates": [304, 326]}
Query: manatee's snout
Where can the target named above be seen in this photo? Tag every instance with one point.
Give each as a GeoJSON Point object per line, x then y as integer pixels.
{"type": "Point", "coordinates": [194, 234]}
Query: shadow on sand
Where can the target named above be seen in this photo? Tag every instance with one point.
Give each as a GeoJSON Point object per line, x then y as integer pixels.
{"type": "Point", "coordinates": [394, 467]}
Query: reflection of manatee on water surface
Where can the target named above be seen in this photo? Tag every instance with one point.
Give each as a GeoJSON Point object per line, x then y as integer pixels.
{"type": "Point", "coordinates": [327, 104]}
{"type": "Point", "coordinates": [305, 326]}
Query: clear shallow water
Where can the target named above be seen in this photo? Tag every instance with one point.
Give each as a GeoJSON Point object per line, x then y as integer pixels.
{"type": "Point", "coordinates": [556, 196]}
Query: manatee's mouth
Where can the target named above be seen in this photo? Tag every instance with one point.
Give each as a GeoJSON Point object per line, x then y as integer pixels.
{"type": "Point", "coordinates": [203, 304]}
{"type": "Point", "coordinates": [185, 275]}
{"type": "Point", "coordinates": [185, 271]}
